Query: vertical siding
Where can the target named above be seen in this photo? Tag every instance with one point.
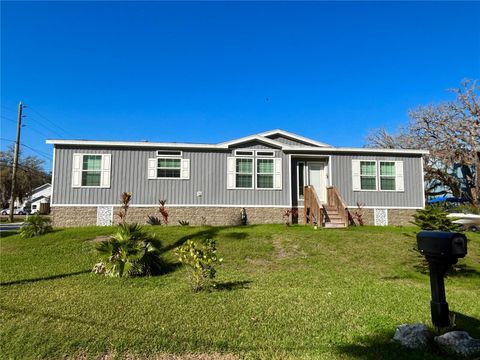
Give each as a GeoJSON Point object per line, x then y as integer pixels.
{"type": "Point", "coordinates": [341, 178]}
{"type": "Point", "coordinates": [208, 174]}
{"type": "Point", "coordinates": [288, 141]}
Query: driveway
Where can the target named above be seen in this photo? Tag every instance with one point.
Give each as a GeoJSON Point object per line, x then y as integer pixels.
{"type": "Point", "coordinates": [10, 226]}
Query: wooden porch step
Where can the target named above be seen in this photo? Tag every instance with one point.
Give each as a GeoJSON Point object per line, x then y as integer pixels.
{"type": "Point", "coordinates": [335, 225]}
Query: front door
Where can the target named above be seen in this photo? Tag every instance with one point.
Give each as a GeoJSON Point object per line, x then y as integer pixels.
{"type": "Point", "coordinates": [316, 178]}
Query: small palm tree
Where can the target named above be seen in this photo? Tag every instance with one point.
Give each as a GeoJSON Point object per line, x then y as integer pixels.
{"type": "Point", "coordinates": [35, 225]}
{"type": "Point", "coordinates": [131, 252]}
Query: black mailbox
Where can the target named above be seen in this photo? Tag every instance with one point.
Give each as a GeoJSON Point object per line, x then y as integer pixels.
{"type": "Point", "coordinates": [441, 249]}
{"type": "Point", "coordinates": [442, 244]}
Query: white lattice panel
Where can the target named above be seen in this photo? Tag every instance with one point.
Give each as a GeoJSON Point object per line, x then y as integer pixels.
{"type": "Point", "coordinates": [104, 215]}
{"type": "Point", "coordinates": [380, 217]}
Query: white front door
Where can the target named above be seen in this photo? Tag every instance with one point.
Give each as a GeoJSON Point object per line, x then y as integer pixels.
{"type": "Point", "coordinates": [316, 178]}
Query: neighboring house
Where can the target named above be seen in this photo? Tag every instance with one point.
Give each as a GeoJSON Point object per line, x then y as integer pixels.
{"type": "Point", "coordinates": [38, 196]}
{"type": "Point", "coordinates": [265, 173]}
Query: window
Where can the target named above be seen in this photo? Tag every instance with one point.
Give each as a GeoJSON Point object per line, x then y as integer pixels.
{"type": "Point", "coordinates": [265, 153]}
{"type": "Point", "coordinates": [169, 153]}
{"type": "Point", "coordinates": [265, 173]}
{"type": "Point", "coordinates": [168, 168]}
{"type": "Point", "coordinates": [368, 175]}
{"type": "Point", "coordinates": [387, 175]}
{"type": "Point", "coordinates": [91, 170]}
{"type": "Point", "coordinates": [244, 173]}
{"type": "Point", "coordinates": [243, 152]}
{"type": "Point", "coordinates": [301, 179]}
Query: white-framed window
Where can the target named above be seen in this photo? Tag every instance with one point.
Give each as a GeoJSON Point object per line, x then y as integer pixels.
{"type": "Point", "coordinates": [368, 175]}
{"type": "Point", "coordinates": [265, 173]}
{"type": "Point", "coordinates": [168, 168]}
{"type": "Point", "coordinates": [249, 172]}
{"type": "Point", "coordinates": [263, 153]}
{"type": "Point", "coordinates": [91, 170]}
{"type": "Point", "coordinates": [161, 153]}
{"type": "Point", "coordinates": [301, 179]}
{"type": "Point", "coordinates": [387, 175]}
{"type": "Point", "coordinates": [244, 152]}
{"type": "Point", "coordinates": [244, 173]}
{"type": "Point", "coordinates": [381, 175]}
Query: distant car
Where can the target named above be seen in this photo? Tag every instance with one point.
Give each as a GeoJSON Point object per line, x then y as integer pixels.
{"type": "Point", "coordinates": [16, 211]}
{"type": "Point", "coordinates": [468, 221]}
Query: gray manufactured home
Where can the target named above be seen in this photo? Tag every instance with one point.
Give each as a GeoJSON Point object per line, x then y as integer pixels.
{"type": "Point", "coordinates": [266, 174]}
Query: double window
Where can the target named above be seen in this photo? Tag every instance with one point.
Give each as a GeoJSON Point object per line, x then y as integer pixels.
{"type": "Point", "coordinates": [372, 175]}
{"type": "Point", "coordinates": [91, 170]}
{"type": "Point", "coordinates": [249, 172]}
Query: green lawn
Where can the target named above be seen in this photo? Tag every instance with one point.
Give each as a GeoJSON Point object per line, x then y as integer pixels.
{"type": "Point", "coordinates": [285, 293]}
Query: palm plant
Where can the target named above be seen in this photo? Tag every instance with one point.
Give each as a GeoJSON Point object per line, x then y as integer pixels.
{"type": "Point", "coordinates": [131, 252]}
{"type": "Point", "coordinates": [35, 225]}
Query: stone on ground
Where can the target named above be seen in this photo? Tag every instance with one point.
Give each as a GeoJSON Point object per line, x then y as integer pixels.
{"type": "Point", "coordinates": [413, 336]}
{"type": "Point", "coordinates": [459, 342]}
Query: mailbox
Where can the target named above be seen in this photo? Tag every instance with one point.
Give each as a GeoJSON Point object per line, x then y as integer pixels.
{"type": "Point", "coordinates": [441, 249]}
{"type": "Point", "coordinates": [442, 244]}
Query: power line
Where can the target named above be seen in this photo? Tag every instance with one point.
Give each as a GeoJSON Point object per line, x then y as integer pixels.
{"type": "Point", "coordinates": [5, 118]}
{"type": "Point", "coordinates": [39, 152]}
{"type": "Point", "coordinates": [50, 121]}
{"type": "Point", "coordinates": [50, 129]}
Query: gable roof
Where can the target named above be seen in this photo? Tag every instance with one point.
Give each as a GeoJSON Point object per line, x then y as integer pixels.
{"type": "Point", "coordinates": [258, 138]}
{"type": "Point", "coordinates": [293, 136]}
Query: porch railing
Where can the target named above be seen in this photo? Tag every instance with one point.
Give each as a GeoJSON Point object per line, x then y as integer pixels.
{"type": "Point", "coordinates": [334, 199]}
{"type": "Point", "coordinates": [312, 209]}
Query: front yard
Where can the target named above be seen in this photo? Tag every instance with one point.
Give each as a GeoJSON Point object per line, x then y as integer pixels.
{"type": "Point", "coordinates": [284, 293]}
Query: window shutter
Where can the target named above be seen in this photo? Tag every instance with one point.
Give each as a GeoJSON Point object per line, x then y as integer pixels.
{"type": "Point", "coordinates": [277, 173]}
{"type": "Point", "coordinates": [399, 181]}
{"type": "Point", "coordinates": [230, 173]}
{"type": "Point", "coordinates": [106, 165]}
{"type": "Point", "coordinates": [152, 168]}
{"type": "Point", "coordinates": [356, 175]}
{"type": "Point", "coordinates": [185, 172]}
{"type": "Point", "coordinates": [77, 170]}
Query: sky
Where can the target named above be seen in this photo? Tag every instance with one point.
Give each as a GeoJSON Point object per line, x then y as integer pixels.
{"type": "Point", "coordinates": [209, 72]}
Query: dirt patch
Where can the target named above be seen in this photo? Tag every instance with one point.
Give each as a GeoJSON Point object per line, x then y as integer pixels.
{"type": "Point", "coordinates": [284, 250]}
{"type": "Point", "coordinates": [101, 238]}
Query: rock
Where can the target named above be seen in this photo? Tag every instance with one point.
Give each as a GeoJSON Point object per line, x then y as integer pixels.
{"type": "Point", "coordinates": [412, 336]}
{"type": "Point", "coordinates": [458, 342]}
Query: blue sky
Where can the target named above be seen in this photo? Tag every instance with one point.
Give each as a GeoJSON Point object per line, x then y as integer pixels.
{"type": "Point", "coordinates": [210, 72]}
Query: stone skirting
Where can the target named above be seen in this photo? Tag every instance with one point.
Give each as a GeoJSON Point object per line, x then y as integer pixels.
{"type": "Point", "coordinates": [66, 216]}
{"type": "Point", "coordinates": [396, 217]}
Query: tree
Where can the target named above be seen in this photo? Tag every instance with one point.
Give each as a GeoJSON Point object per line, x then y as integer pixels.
{"type": "Point", "coordinates": [30, 175]}
{"type": "Point", "coordinates": [451, 133]}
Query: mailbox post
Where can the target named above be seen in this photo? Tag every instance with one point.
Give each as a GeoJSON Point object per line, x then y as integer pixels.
{"type": "Point", "coordinates": [441, 249]}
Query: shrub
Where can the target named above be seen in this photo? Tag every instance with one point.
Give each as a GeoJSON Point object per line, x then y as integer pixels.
{"type": "Point", "coordinates": [183, 222]}
{"type": "Point", "coordinates": [35, 225]}
{"type": "Point", "coordinates": [290, 214]}
{"type": "Point", "coordinates": [200, 259]}
{"type": "Point", "coordinates": [125, 201]}
{"type": "Point", "coordinates": [434, 218]}
{"type": "Point", "coordinates": [154, 220]}
{"type": "Point", "coordinates": [358, 214]}
{"type": "Point", "coordinates": [163, 211]}
{"type": "Point", "coordinates": [131, 252]}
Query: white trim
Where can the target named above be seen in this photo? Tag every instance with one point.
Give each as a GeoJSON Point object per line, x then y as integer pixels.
{"type": "Point", "coordinates": [53, 176]}
{"type": "Point", "coordinates": [252, 138]}
{"type": "Point", "coordinates": [145, 144]}
{"type": "Point", "coordinates": [175, 205]}
{"type": "Point", "coordinates": [330, 182]}
{"type": "Point", "coordinates": [293, 137]}
{"type": "Point", "coordinates": [353, 150]}
{"type": "Point", "coordinates": [423, 184]}
{"type": "Point", "coordinates": [289, 157]}
{"type": "Point", "coordinates": [167, 155]}
{"type": "Point", "coordinates": [245, 150]}
{"type": "Point", "coordinates": [253, 173]}
{"type": "Point", "coordinates": [298, 179]}
{"type": "Point", "coordinates": [376, 207]}
{"type": "Point", "coordinates": [101, 171]}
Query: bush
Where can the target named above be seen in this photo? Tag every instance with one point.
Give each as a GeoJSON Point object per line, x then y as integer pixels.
{"type": "Point", "coordinates": [130, 252]}
{"type": "Point", "coordinates": [434, 218]}
{"type": "Point", "coordinates": [154, 220]}
{"type": "Point", "coordinates": [200, 259]}
{"type": "Point", "coordinates": [35, 225]}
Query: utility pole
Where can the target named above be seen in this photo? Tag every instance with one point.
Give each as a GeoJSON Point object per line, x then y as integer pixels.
{"type": "Point", "coordinates": [15, 162]}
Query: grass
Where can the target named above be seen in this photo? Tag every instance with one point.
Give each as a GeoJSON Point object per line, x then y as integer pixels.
{"type": "Point", "coordinates": [284, 293]}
